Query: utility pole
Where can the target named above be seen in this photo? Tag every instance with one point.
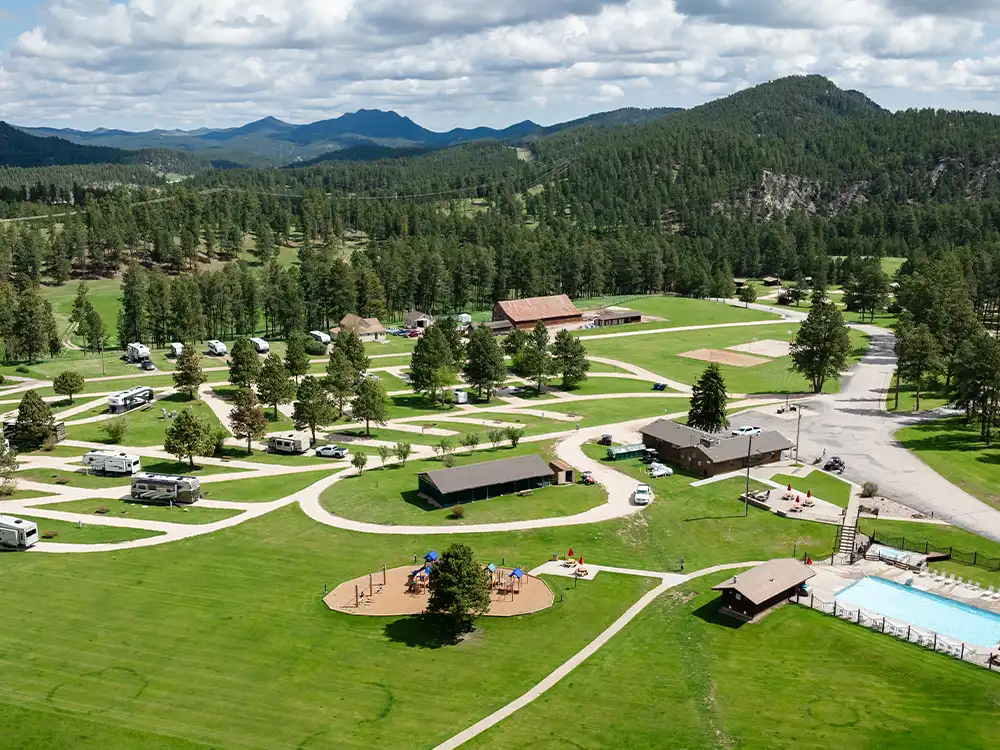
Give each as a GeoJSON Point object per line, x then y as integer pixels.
{"type": "Point", "coordinates": [746, 495]}
{"type": "Point", "coordinates": [798, 426]}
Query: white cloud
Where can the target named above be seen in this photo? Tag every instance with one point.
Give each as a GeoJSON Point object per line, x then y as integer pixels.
{"type": "Point", "coordinates": [170, 63]}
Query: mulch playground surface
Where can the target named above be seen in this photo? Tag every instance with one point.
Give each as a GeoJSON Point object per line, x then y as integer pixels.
{"type": "Point", "coordinates": [397, 597]}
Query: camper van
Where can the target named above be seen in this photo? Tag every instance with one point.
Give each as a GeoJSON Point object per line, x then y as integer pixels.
{"type": "Point", "coordinates": [217, 348]}
{"type": "Point", "coordinates": [16, 533]}
{"type": "Point", "coordinates": [320, 336]}
{"type": "Point", "coordinates": [290, 442]}
{"type": "Point", "coordinates": [165, 488]}
{"type": "Point", "coordinates": [136, 352]}
{"type": "Point", "coordinates": [112, 463]}
{"type": "Point", "coordinates": [176, 350]}
{"type": "Point", "coordinates": [133, 398]}
{"type": "Point", "coordinates": [260, 346]}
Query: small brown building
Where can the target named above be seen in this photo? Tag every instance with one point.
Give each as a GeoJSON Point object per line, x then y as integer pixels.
{"type": "Point", "coordinates": [368, 329]}
{"type": "Point", "coordinates": [481, 481]}
{"type": "Point", "coordinates": [417, 319]}
{"type": "Point", "coordinates": [524, 313]}
{"type": "Point", "coordinates": [771, 281]}
{"type": "Point", "coordinates": [497, 327]}
{"type": "Point", "coordinates": [750, 594]}
{"type": "Point", "coordinates": [562, 472]}
{"type": "Point", "coordinates": [709, 454]}
{"type": "Point", "coordinates": [607, 318]}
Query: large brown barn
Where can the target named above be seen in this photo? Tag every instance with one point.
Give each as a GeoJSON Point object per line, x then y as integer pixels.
{"type": "Point", "coordinates": [524, 313]}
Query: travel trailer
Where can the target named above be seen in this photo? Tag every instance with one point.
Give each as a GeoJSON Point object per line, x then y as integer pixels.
{"type": "Point", "coordinates": [165, 488]}
{"type": "Point", "coordinates": [323, 338]}
{"type": "Point", "coordinates": [176, 350]}
{"type": "Point", "coordinates": [16, 533]}
{"type": "Point", "coordinates": [290, 442]}
{"type": "Point", "coordinates": [217, 348]}
{"type": "Point", "coordinates": [461, 397]}
{"type": "Point", "coordinates": [133, 398]}
{"type": "Point", "coordinates": [136, 352]}
{"type": "Point", "coordinates": [260, 346]}
{"type": "Point", "coordinates": [112, 463]}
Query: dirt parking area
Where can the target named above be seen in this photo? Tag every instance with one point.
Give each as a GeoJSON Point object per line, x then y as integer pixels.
{"type": "Point", "coordinates": [764, 348]}
{"type": "Point", "coordinates": [724, 357]}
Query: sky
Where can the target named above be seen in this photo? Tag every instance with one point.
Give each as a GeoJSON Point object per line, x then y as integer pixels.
{"type": "Point", "coordinates": [138, 64]}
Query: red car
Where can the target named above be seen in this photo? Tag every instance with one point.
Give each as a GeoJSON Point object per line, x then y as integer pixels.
{"type": "Point", "coordinates": [413, 335]}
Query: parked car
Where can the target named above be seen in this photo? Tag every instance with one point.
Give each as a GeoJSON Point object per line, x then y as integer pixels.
{"type": "Point", "coordinates": [605, 439]}
{"type": "Point", "coordinates": [333, 451]}
{"type": "Point", "coordinates": [643, 495]}
{"type": "Point", "coordinates": [649, 456]}
{"type": "Point", "coordinates": [587, 477]}
{"type": "Point", "coordinates": [747, 430]}
{"type": "Point", "coordinates": [659, 386]}
{"type": "Point", "coordinates": [413, 334]}
{"type": "Point", "coordinates": [659, 470]}
{"type": "Point", "coordinates": [147, 365]}
{"type": "Point", "coordinates": [836, 463]}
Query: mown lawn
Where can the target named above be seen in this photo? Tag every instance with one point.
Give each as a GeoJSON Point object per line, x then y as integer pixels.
{"type": "Point", "coordinates": [119, 508]}
{"type": "Point", "coordinates": [146, 426]}
{"type": "Point", "coordinates": [260, 489]}
{"type": "Point", "coordinates": [953, 449]}
{"type": "Point", "coordinates": [932, 396]}
{"type": "Point", "coordinates": [683, 311]}
{"type": "Point", "coordinates": [72, 533]}
{"type": "Point", "coordinates": [822, 485]}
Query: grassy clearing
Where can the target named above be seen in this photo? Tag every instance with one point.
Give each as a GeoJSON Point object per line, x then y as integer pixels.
{"type": "Point", "coordinates": [610, 411]}
{"type": "Point", "coordinates": [261, 457]}
{"type": "Point", "coordinates": [822, 485]}
{"type": "Point", "coordinates": [596, 386]}
{"type": "Point", "coordinates": [24, 495]}
{"type": "Point", "coordinates": [953, 449]}
{"type": "Point", "coordinates": [392, 345]}
{"type": "Point", "coordinates": [260, 489]}
{"type": "Point", "coordinates": [59, 451]}
{"type": "Point", "coordinates": [71, 478]}
{"type": "Point", "coordinates": [145, 426]}
{"type": "Point", "coordinates": [71, 533]}
{"type": "Point", "coordinates": [119, 508]}
{"type": "Point", "coordinates": [602, 367]}
{"type": "Point", "coordinates": [389, 496]}
{"type": "Point", "coordinates": [932, 396]}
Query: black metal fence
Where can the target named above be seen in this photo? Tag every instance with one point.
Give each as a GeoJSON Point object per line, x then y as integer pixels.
{"type": "Point", "coordinates": [923, 546]}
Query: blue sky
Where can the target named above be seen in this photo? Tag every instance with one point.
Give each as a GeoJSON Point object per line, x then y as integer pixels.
{"type": "Point", "coordinates": [187, 63]}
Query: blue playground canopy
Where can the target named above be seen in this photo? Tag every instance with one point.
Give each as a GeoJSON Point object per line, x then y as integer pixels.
{"type": "Point", "coordinates": [491, 568]}
{"type": "Point", "coordinates": [431, 556]}
{"type": "Point", "coordinates": [517, 573]}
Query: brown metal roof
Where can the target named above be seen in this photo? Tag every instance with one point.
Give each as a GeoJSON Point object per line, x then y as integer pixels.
{"type": "Point", "coordinates": [618, 314]}
{"type": "Point", "coordinates": [679, 435]}
{"type": "Point", "coordinates": [716, 447]}
{"type": "Point", "coordinates": [414, 316]}
{"type": "Point", "coordinates": [489, 473]}
{"type": "Point", "coordinates": [361, 325]}
{"type": "Point", "coordinates": [768, 579]}
{"type": "Point", "coordinates": [538, 308]}
{"type": "Point", "coordinates": [498, 325]}
{"type": "Point", "coordinates": [560, 465]}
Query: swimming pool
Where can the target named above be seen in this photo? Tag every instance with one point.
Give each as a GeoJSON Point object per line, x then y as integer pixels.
{"type": "Point", "coordinates": [963, 622]}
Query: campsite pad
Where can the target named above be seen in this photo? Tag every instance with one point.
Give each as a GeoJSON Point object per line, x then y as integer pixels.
{"type": "Point", "coordinates": [724, 357]}
{"type": "Point", "coordinates": [764, 348]}
{"type": "Point", "coordinates": [394, 600]}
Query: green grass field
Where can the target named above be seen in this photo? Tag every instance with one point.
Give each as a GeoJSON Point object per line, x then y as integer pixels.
{"type": "Point", "coordinates": [71, 533]}
{"type": "Point", "coordinates": [146, 427]}
{"type": "Point", "coordinates": [71, 478]}
{"type": "Point", "coordinates": [119, 508]}
{"type": "Point", "coordinates": [822, 485]}
{"type": "Point", "coordinates": [932, 396]}
{"type": "Point", "coordinates": [954, 450]}
{"type": "Point", "coordinates": [682, 311]}
{"type": "Point", "coordinates": [596, 386]}
{"type": "Point", "coordinates": [260, 489]}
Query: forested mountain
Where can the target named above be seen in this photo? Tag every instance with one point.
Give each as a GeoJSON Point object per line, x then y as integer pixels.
{"type": "Point", "coordinates": [19, 149]}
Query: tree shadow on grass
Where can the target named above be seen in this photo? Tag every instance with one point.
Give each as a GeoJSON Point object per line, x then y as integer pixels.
{"type": "Point", "coordinates": [710, 613]}
{"type": "Point", "coordinates": [413, 498]}
{"type": "Point", "coordinates": [422, 631]}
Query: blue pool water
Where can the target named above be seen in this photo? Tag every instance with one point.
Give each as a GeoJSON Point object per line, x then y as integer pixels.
{"type": "Point", "coordinates": [963, 622]}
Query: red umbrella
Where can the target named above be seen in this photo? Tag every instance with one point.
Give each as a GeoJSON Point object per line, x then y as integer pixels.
{"type": "Point", "coordinates": [581, 559]}
{"type": "Point", "coordinates": [809, 493]}
{"type": "Point", "coordinates": [789, 486]}
{"type": "Point", "coordinates": [571, 553]}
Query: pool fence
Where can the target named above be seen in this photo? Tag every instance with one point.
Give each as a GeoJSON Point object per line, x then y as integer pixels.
{"type": "Point", "coordinates": [923, 546]}
{"type": "Point", "coordinates": [903, 631]}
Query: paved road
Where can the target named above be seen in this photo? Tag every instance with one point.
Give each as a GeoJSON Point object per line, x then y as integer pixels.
{"type": "Point", "coordinates": [853, 424]}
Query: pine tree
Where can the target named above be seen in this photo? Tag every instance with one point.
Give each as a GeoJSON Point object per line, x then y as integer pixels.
{"type": "Point", "coordinates": [34, 419]}
{"type": "Point", "coordinates": [296, 357]}
{"type": "Point", "coordinates": [188, 375]}
{"type": "Point", "coordinates": [976, 383]}
{"type": "Point", "coordinates": [273, 383]}
{"type": "Point", "coordinates": [822, 344]}
{"type": "Point", "coordinates": [747, 294]}
{"type": "Point", "coordinates": [570, 355]}
{"type": "Point", "coordinates": [432, 363]}
{"type": "Point", "coordinates": [312, 407]}
{"type": "Point", "coordinates": [534, 360]}
{"type": "Point", "coordinates": [244, 364]}
{"type": "Point", "coordinates": [68, 383]}
{"type": "Point", "coordinates": [95, 332]}
{"type": "Point", "coordinates": [132, 314]}
{"type": "Point", "coordinates": [371, 403]}
{"type": "Point", "coordinates": [708, 401]}
{"type": "Point", "coordinates": [917, 354]}
{"type": "Point", "coordinates": [32, 326]}
{"type": "Point", "coordinates": [80, 305]}
{"type": "Point", "coordinates": [188, 436]}
{"type": "Point", "coordinates": [515, 342]}
{"type": "Point", "coordinates": [458, 588]}
{"type": "Point", "coordinates": [341, 380]}
{"type": "Point", "coordinates": [246, 419]}
{"type": "Point", "coordinates": [354, 349]}
{"type": "Point", "coordinates": [485, 368]}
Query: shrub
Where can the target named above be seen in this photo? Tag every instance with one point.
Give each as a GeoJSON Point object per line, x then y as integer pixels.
{"type": "Point", "coordinates": [444, 447]}
{"type": "Point", "coordinates": [22, 369]}
{"type": "Point", "coordinates": [514, 435]}
{"type": "Point", "coordinates": [458, 512]}
{"type": "Point", "coordinates": [7, 487]}
{"type": "Point", "coordinates": [495, 437]}
{"type": "Point", "coordinates": [402, 451]}
{"type": "Point", "coordinates": [2, 380]}
{"type": "Point", "coordinates": [315, 348]}
{"type": "Point", "coordinates": [115, 429]}
{"type": "Point", "coordinates": [449, 460]}
{"type": "Point", "coordinates": [869, 489]}
{"type": "Point", "coordinates": [50, 442]}
{"type": "Point", "coordinates": [49, 534]}
{"type": "Point", "coordinates": [471, 441]}
{"type": "Point", "coordinates": [219, 437]}
{"type": "Point", "coordinates": [384, 452]}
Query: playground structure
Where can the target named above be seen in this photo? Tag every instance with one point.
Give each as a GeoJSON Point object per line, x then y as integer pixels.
{"type": "Point", "coordinates": [404, 591]}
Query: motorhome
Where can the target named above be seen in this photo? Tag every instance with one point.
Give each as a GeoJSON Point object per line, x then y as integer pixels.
{"type": "Point", "coordinates": [133, 398]}
{"type": "Point", "coordinates": [320, 336]}
{"type": "Point", "coordinates": [110, 462]}
{"type": "Point", "coordinates": [176, 350]}
{"type": "Point", "coordinates": [17, 533]}
{"type": "Point", "coordinates": [136, 352]}
{"type": "Point", "coordinates": [461, 397]}
{"type": "Point", "coordinates": [290, 442]}
{"type": "Point", "coordinates": [217, 348]}
{"type": "Point", "coordinates": [260, 346]}
{"type": "Point", "coordinates": [165, 488]}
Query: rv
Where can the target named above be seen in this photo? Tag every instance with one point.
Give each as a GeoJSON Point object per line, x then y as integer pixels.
{"type": "Point", "coordinates": [323, 338]}
{"type": "Point", "coordinates": [290, 442]}
{"type": "Point", "coordinates": [136, 352]}
{"type": "Point", "coordinates": [461, 397]}
{"type": "Point", "coordinates": [112, 463]}
{"type": "Point", "coordinates": [165, 488]}
{"type": "Point", "coordinates": [16, 533]}
{"type": "Point", "coordinates": [133, 398]}
{"type": "Point", "coordinates": [260, 346]}
{"type": "Point", "coordinates": [217, 348]}
{"type": "Point", "coordinates": [176, 350]}
{"type": "Point", "coordinates": [14, 435]}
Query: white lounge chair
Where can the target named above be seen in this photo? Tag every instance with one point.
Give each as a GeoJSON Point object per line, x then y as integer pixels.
{"type": "Point", "coordinates": [951, 578]}
{"type": "Point", "coordinates": [960, 580]}
{"type": "Point", "coordinates": [988, 593]}
{"type": "Point", "coordinates": [923, 573]}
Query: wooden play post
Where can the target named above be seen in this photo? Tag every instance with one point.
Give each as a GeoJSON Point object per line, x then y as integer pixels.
{"type": "Point", "coordinates": [383, 574]}
{"type": "Point", "coordinates": [370, 591]}
{"type": "Point", "coordinates": [357, 602]}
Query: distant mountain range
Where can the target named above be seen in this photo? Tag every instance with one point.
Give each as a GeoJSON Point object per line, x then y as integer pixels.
{"type": "Point", "coordinates": [272, 142]}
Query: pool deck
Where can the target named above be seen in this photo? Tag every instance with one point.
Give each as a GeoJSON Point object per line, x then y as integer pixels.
{"type": "Point", "coordinates": [830, 579]}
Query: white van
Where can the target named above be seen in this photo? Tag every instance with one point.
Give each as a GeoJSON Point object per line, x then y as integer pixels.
{"type": "Point", "coordinates": [176, 350]}
{"type": "Point", "coordinates": [17, 533]}
{"type": "Point", "coordinates": [136, 352]}
{"type": "Point", "coordinates": [260, 346]}
{"type": "Point", "coordinates": [320, 336]}
{"type": "Point", "coordinates": [217, 348]}
{"type": "Point", "coordinates": [290, 442]}
{"type": "Point", "coordinates": [112, 463]}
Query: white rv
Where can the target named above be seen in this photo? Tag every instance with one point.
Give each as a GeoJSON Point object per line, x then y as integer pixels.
{"type": "Point", "coordinates": [165, 488]}
{"type": "Point", "coordinates": [461, 397]}
{"type": "Point", "coordinates": [260, 346]}
{"type": "Point", "coordinates": [217, 348]}
{"type": "Point", "coordinates": [136, 352]}
{"type": "Point", "coordinates": [16, 533]}
{"type": "Point", "coordinates": [133, 398]}
{"type": "Point", "coordinates": [320, 336]}
{"type": "Point", "coordinates": [176, 350]}
{"type": "Point", "coordinates": [112, 463]}
{"type": "Point", "coordinates": [290, 442]}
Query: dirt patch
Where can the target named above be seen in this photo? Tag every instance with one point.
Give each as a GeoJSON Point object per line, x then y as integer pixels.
{"type": "Point", "coordinates": [724, 357]}
{"type": "Point", "coordinates": [764, 348]}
